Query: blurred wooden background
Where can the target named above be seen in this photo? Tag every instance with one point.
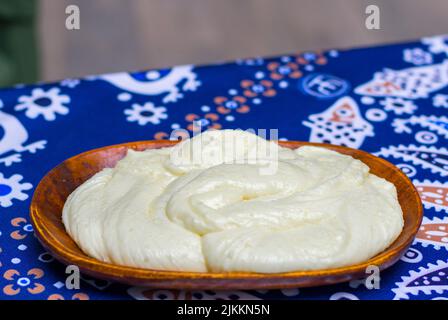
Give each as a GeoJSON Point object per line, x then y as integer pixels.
{"type": "Point", "coordinates": [118, 35]}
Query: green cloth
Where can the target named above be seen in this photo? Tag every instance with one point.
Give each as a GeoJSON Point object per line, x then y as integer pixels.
{"type": "Point", "coordinates": [18, 50]}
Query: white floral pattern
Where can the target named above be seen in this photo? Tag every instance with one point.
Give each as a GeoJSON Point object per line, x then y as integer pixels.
{"type": "Point", "coordinates": [398, 105]}
{"type": "Point", "coordinates": [147, 113]}
{"type": "Point", "coordinates": [417, 56]}
{"type": "Point", "coordinates": [48, 104]}
{"type": "Point", "coordinates": [440, 101]}
{"type": "Point", "coordinates": [11, 188]}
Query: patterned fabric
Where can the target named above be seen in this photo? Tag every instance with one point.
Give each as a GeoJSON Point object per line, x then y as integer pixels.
{"type": "Point", "coordinates": [390, 100]}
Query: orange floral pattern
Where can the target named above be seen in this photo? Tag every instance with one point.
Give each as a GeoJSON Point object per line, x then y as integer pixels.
{"type": "Point", "coordinates": [23, 228]}
{"type": "Point", "coordinates": [254, 89]}
{"type": "Point", "coordinates": [76, 296]}
{"type": "Point", "coordinates": [316, 57]}
{"type": "Point", "coordinates": [197, 123]}
{"type": "Point", "coordinates": [280, 71]}
{"type": "Point", "coordinates": [225, 105]}
{"type": "Point", "coordinates": [178, 134]}
{"type": "Point", "coordinates": [23, 282]}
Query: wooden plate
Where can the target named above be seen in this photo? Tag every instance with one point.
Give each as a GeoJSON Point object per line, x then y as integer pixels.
{"type": "Point", "coordinates": [52, 191]}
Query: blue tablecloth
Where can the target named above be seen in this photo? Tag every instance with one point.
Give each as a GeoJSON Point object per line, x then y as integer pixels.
{"type": "Point", "coordinates": [388, 100]}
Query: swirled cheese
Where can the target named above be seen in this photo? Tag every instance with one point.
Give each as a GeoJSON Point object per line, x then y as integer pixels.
{"type": "Point", "coordinates": [231, 201]}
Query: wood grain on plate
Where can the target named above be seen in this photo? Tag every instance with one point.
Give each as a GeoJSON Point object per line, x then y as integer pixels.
{"type": "Point", "coordinates": [52, 191]}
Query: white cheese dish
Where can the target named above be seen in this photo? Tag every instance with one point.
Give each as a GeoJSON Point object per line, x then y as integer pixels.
{"type": "Point", "coordinates": [228, 201]}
